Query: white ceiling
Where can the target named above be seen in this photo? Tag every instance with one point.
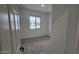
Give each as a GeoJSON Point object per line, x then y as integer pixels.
{"type": "Point", "coordinates": [47, 7]}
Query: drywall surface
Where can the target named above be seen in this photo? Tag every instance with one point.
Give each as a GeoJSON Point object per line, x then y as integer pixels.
{"type": "Point", "coordinates": [4, 30]}
{"type": "Point", "coordinates": [25, 29]}
{"type": "Point", "coordinates": [59, 33]}
{"type": "Point", "coordinates": [49, 24]}
{"type": "Point", "coordinates": [77, 38]}
{"type": "Point", "coordinates": [71, 30]}
{"type": "Point", "coordinates": [63, 28]}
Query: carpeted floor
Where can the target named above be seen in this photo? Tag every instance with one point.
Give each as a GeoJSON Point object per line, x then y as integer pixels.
{"type": "Point", "coordinates": [38, 45]}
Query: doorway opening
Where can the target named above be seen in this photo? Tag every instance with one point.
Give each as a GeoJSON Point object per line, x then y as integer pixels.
{"type": "Point", "coordinates": [36, 28]}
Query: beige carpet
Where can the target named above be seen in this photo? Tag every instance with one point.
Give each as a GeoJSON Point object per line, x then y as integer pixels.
{"type": "Point", "coordinates": [38, 45]}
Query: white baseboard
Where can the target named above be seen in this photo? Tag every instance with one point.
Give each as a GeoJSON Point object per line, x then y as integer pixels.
{"type": "Point", "coordinates": [35, 36]}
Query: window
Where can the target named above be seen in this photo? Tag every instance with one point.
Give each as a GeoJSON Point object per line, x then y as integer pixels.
{"type": "Point", "coordinates": [34, 22]}
{"type": "Point", "coordinates": [37, 22]}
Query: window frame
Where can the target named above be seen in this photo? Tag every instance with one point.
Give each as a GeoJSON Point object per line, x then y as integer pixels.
{"type": "Point", "coordinates": [35, 21]}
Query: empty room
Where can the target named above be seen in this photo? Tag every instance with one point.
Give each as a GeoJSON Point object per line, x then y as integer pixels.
{"type": "Point", "coordinates": [39, 29]}
{"type": "Point", "coordinates": [36, 27]}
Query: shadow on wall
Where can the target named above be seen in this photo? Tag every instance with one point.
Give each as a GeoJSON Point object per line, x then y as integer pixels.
{"type": "Point", "coordinates": [58, 11]}
{"type": "Point", "coordinates": [59, 33]}
{"type": "Point", "coordinates": [68, 31]}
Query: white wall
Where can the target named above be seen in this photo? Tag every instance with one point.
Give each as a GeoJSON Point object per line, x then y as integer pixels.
{"type": "Point", "coordinates": [71, 30]}
{"type": "Point", "coordinates": [59, 33]}
{"type": "Point", "coordinates": [5, 39]}
{"type": "Point", "coordinates": [63, 28]}
{"type": "Point", "coordinates": [77, 38]}
{"type": "Point", "coordinates": [49, 24]}
{"type": "Point", "coordinates": [26, 32]}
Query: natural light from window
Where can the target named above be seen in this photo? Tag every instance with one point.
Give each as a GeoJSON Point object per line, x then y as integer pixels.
{"type": "Point", "coordinates": [34, 22]}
